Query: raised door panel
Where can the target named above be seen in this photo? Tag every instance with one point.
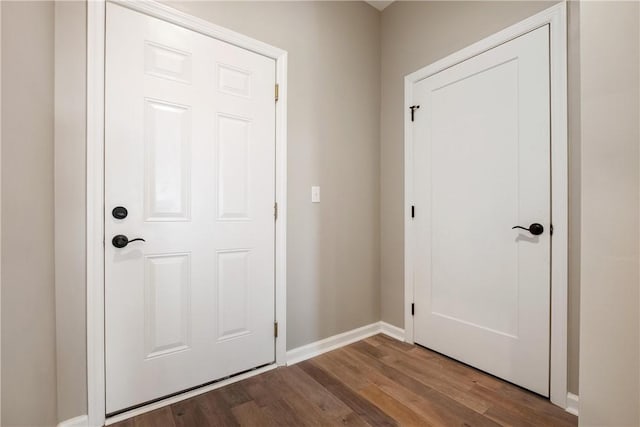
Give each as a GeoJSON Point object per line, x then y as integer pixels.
{"type": "Point", "coordinates": [233, 287]}
{"type": "Point", "coordinates": [233, 167]}
{"type": "Point", "coordinates": [167, 62]}
{"type": "Point", "coordinates": [234, 81]}
{"type": "Point", "coordinates": [167, 304]}
{"type": "Point", "coordinates": [168, 161]}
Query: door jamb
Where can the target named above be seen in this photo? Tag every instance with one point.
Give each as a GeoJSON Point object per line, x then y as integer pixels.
{"type": "Point", "coordinates": [96, 27]}
{"type": "Point", "coordinates": [556, 17]}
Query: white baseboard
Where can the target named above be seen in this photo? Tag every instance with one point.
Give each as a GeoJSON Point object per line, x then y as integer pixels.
{"type": "Point", "coordinates": [336, 341]}
{"type": "Point", "coordinates": [573, 404]}
{"type": "Point", "coordinates": [392, 331]}
{"type": "Point", "coordinates": [293, 356]}
{"type": "Point", "coordinates": [81, 421]}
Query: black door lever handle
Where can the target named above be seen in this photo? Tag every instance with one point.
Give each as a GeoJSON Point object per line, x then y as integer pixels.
{"type": "Point", "coordinates": [120, 241]}
{"type": "Point", "coordinates": [535, 228]}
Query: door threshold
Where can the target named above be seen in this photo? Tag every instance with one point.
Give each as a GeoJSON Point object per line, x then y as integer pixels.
{"type": "Point", "coordinates": [185, 394]}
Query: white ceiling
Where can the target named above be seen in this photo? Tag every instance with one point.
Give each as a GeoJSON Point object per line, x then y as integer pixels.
{"type": "Point", "coordinates": [380, 4]}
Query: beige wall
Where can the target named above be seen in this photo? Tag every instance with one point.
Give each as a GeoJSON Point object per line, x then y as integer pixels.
{"type": "Point", "coordinates": [415, 34]}
{"type": "Point", "coordinates": [610, 98]}
{"type": "Point", "coordinates": [28, 319]}
{"type": "Point", "coordinates": [70, 110]}
{"type": "Point", "coordinates": [333, 136]}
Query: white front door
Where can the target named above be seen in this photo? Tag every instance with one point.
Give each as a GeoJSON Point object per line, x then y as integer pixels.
{"type": "Point", "coordinates": [482, 166]}
{"type": "Point", "coordinates": [190, 155]}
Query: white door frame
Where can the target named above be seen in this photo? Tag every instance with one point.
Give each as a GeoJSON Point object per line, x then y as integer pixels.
{"type": "Point", "coordinates": [96, 16]}
{"type": "Point", "coordinates": [556, 17]}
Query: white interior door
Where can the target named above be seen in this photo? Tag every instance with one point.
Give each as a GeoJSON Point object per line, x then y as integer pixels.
{"type": "Point", "coordinates": [481, 166]}
{"type": "Point", "coordinates": [190, 154]}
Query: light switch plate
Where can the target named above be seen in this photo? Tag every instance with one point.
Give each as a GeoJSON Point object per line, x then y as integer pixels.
{"type": "Point", "coordinates": [315, 194]}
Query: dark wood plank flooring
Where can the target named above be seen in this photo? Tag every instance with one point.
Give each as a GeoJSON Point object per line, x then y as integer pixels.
{"type": "Point", "coordinates": [375, 382]}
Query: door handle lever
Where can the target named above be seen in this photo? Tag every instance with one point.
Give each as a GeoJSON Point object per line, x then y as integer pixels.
{"type": "Point", "coordinates": [535, 228]}
{"type": "Point", "coordinates": [120, 241]}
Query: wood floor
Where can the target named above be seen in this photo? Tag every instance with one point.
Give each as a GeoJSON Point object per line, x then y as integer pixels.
{"type": "Point", "coordinates": [375, 382]}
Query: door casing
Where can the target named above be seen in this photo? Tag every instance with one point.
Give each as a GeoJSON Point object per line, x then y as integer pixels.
{"type": "Point", "coordinates": [556, 18]}
{"type": "Point", "coordinates": [96, 32]}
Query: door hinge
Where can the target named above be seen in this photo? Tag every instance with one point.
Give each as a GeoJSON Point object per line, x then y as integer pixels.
{"type": "Point", "coordinates": [413, 109]}
{"type": "Point", "coordinates": [275, 210]}
{"type": "Point", "coordinates": [413, 309]}
{"type": "Point", "coordinates": [277, 91]}
{"type": "Point", "coordinates": [275, 329]}
{"type": "Point", "coordinates": [413, 211]}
